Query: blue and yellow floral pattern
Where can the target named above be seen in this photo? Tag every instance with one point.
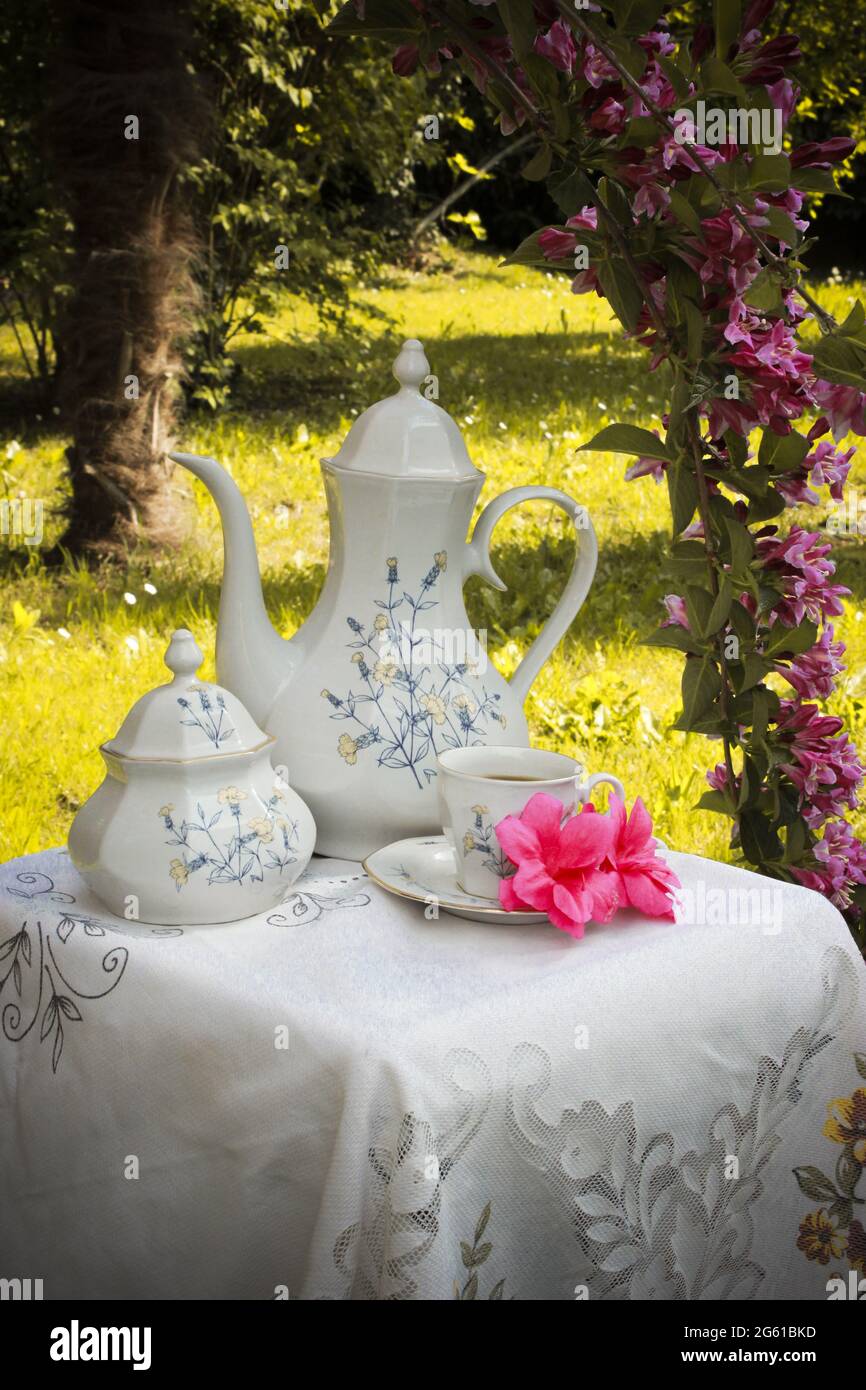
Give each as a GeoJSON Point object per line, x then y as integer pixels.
{"type": "Point", "coordinates": [481, 839]}
{"type": "Point", "coordinates": [210, 717]}
{"type": "Point", "coordinates": [409, 706]}
{"type": "Point", "coordinates": [230, 848]}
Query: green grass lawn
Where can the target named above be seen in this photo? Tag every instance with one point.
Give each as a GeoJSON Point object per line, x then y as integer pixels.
{"type": "Point", "coordinates": [529, 371]}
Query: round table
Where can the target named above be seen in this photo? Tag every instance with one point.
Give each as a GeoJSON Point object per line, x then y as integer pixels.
{"type": "Point", "coordinates": [347, 1099]}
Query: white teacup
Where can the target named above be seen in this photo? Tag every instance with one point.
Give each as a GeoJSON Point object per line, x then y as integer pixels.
{"type": "Point", "coordinates": [479, 786]}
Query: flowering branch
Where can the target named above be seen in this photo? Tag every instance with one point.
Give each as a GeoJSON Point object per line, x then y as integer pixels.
{"type": "Point", "coordinates": [696, 241]}
{"type": "Point", "coordinates": [825, 319]}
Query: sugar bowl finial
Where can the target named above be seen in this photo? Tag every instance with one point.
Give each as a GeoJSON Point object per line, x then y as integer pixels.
{"type": "Point", "coordinates": [411, 367]}
{"type": "Point", "coordinates": [183, 656]}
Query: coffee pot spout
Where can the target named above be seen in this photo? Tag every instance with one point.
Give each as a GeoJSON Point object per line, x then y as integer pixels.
{"type": "Point", "coordinates": [253, 661]}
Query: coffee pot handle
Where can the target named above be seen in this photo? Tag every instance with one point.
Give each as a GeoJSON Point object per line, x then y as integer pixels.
{"type": "Point", "coordinates": [477, 561]}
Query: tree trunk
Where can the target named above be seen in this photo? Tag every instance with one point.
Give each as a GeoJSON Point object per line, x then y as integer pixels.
{"type": "Point", "coordinates": [124, 117]}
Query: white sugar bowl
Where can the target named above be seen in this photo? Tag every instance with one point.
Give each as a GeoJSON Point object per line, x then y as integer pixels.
{"type": "Point", "coordinates": [191, 823]}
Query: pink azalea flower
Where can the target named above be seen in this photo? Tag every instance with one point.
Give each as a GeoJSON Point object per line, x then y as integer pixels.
{"type": "Point", "coordinates": [558, 865]}
{"type": "Point", "coordinates": [813, 673]}
{"type": "Point", "coordinates": [676, 610]}
{"type": "Point", "coordinates": [841, 863]}
{"type": "Point", "coordinates": [643, 879]}
{"type": "Point", "coordinates": [596, 69]}
{"type": "Point", "coordinates": [800, 561]}
{"type": "Point", "coordinates": [586, 218]}
{"type": "Point", "coordinates": [610, 115]}
{"type": "Point", "coordinates": [556, 245]}
{"type": "Point", "coordinates": [844, 406]}
{"type": "Point", "coordinates": [557, 46]}
{"type": "Point", "coordinates": [585, 867]}
{"type": "Point", "coordinates": [824, 765]}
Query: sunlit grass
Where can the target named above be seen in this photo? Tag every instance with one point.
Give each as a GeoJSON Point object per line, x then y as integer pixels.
{"type": "Point", "coordinates": [529, 371]}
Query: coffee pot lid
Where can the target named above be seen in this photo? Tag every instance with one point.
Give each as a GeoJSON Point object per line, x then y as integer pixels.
{"type": "Point", "coordinates": [406, 435]}
{"type": "Point", "coordinates": [186, 719]}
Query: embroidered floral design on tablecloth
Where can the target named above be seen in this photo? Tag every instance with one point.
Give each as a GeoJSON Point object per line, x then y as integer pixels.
{"type": "Point", "coordinates": [411, 702]}
{"type": "Point", "coordinates": [247, 851]}
{"type": "Point", "coordinates": [481, 839]}
{"type": "Point", "coordinates": [32, 960]}
{"type": "Point", "coordinates": [473, 1257]}
{"type": "Point", "coordinates": [303, 905]}
{"type": "Point", "coordinates": [652, 1225]}
{"type": "Point", "coordinates": [832, 1231]}
{"type": "Point", "coordinates": [410, 1160]}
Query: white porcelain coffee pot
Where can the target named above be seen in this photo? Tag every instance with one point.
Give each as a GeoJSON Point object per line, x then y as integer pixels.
{"type": "Point", "coordinates": [386, 672]}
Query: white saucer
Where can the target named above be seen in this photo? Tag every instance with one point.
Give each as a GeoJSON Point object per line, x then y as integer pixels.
{"type": "Point", "coordinates": [423, 869]}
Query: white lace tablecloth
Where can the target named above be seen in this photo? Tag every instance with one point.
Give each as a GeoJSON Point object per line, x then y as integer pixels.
{"type": "Point", "coordinates": [343, 1100]}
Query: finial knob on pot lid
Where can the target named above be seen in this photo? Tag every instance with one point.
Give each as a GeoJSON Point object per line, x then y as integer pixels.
{"type": "Point", "coordinates": [407, 435]}
{"type": "Point", "coordinates": [411, 367]}
{"type": "Point", "coordinates": [187, 718]}
{"type": "Point", "coordinates": [184, 655]}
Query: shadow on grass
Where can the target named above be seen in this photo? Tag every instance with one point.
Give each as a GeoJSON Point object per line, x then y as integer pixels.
{"type": "Point", "coordinates": [623, 603]}
{"type": "Point", "coordinates": [527, 373]}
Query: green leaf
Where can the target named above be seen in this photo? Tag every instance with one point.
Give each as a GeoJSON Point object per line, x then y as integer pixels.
{"type": "Point", "coordinates": [738, 448]}
{"type": "Point", "coordinates": [760, 720]}
{"type": "Point", "coordinates": [393, 20]}
{"type": "Point", "coordinates": [763, 508]}
{"type": "Point", "coordinates": [796, 840]}
{"type": "Point", "coordinates": [685, 213]}
{"type": "Point", "coordinates": [622, 293]}
{"type": "Point", "coordinates": [701, 685]}
{"type": "Point", "coordinates": [742, 546]}
{"type": "Point", "coordinates": [683, 491]}
{"type": "Point", "coordinates": [770, 173]}
{"type": "Point", "coordinates": [628, 439]}
{"type": "Point", "coordinates": [632, 16]}
{"type": "Point", "coordinates": [755, 667]}
{"type": "Point", "coordinates": [716, 76]}
{"type": "Point", "coordinates": [764, 293]}
{"type": "Point", "coordinates": [699, 606]}
{"type": "Point", "coordinates": [782, 452]}
{"type": "Point", "coordinates": [855, 321]}
{"type": "Point", "coordinates": [742, 622]}
{"type": "Point", "coordinates": [715, 801]}
{"type": "Point", "coordinates": [721, 608]}
{"type": "Point", "coordinates": [529, 253]}
{"type": "Point", "coordinates": [814, 1184]}
{"type": "Point", "coordinates": [726, 22]}
{"type": "Point", "coordinates": [616, 201]}
{"type": "Point", "coordinates": [571, 190]}
{"type": "Point", "coordinates": [759, 840]}
{"type": "Point", "coordinates": [481, 1224]}
{"type": "Point", "coordinates": [841, 360]}
{"type": "Point", "coordinates": [520, 23]}
{"type": "Point", "coordinates": [695, 329]}
{"type": "Point", "coordinates": [676, 637]}
{"type": "Point", "coordinates": [675, 76]}
{"type": "Point", "coordinates": [791, 641]}
{"type": "Point", "coordinates": [817, 181]}
{"type": "Point", "coordinates": [781, 225]}
{"type": "Point", "coordinates": [642, 132]}
{"type": "Point", "coordinates": [542, 76]}
{"type": "Point", "coordinates": [538, 167]}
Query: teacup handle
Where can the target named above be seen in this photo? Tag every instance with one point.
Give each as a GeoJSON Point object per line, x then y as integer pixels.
{"type": "Point", "coordinates": [477, 561]}
{"type": "Point", "coordinates": [583, 789]}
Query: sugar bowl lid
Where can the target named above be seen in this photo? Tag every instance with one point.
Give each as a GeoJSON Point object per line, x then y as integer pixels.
{"type": "Point", "coordinates": [186, 719]}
